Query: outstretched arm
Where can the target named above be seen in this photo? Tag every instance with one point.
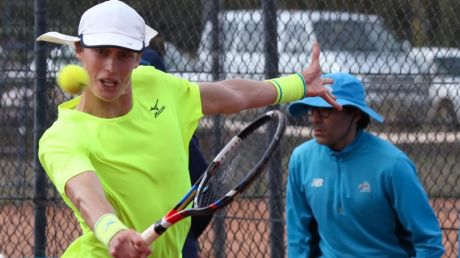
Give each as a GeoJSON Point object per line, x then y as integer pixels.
{"type": "Point", "coordinates": [86, 193]}
{"type": "Point", "coordinates": [235, 95]}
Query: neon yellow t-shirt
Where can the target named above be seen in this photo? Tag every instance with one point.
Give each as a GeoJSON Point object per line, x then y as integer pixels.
{"type": "Point", "coordinates": [141, 158]}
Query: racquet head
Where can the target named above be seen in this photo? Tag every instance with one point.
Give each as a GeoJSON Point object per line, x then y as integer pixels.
{"type": "Point", "coordinates": [237, 165]}
{"type": "Point", "coordinates": [240, 162]}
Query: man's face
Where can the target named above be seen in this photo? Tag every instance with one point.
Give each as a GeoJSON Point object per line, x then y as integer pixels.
{"type": "Point", "coordinates": [333, 128]}
{"type": "Point", "coordinates": [109, 70]}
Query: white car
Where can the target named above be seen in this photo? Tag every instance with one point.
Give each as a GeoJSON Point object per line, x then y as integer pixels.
{"type": "Point", "coordinates": [183, 65]}
{"type": "Point", "coordinates": [357, 43]}
{"type": "Point", "coordinates": [443, 66]}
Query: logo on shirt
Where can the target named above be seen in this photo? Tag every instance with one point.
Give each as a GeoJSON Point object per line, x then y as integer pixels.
{"type": "Point", "coordinates": [157, 110]}
{"type": "Point", "coordinates": [317, 182]}
{"type": "Point", "coordinates": [364, 187]}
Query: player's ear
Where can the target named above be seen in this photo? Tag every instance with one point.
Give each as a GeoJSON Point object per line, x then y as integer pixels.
{"type": "Point", "coordinates": [138, 58]}
{"type": "Point", "coordinates": [78, 50]}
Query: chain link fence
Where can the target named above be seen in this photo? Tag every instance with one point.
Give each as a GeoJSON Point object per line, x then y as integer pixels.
{"type": "Point", "coordinates": [404, 50]}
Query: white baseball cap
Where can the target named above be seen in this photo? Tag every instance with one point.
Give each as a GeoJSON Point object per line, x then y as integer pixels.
{"type": "Point", "coordinates": [109, 24]}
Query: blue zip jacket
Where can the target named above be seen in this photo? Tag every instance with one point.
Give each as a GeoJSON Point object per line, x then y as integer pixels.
{"type": "Point", "coordinates": [364, 201]}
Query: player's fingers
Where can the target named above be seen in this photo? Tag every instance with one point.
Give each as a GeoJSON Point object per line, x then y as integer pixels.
{"type": "Point", "coordinates": [329, 98]}
{"type": "Point", "coordinates": [142, 247]}
{"type": "Point", "coordinates": [315, 51]}
{"type": "Point", "coordinates": [327, 95]}
{"type": "Point", "coordinates": [327, 81]}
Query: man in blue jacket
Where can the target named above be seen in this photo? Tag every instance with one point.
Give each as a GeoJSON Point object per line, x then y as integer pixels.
{"type": "Point", "coordinates": [350, 193]}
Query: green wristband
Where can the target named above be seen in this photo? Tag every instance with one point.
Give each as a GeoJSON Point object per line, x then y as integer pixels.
{"type": "Point", "coordinates": [107, 226]}
{"type": "Point", "coordinates": [289, 88]}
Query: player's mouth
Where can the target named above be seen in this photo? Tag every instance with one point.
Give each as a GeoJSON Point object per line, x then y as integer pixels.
{"type": "Point", "coordinates": [108, 84]}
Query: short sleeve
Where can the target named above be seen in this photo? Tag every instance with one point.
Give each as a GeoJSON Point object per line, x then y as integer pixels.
{"type": "Point", "coordinates": [62, 159]}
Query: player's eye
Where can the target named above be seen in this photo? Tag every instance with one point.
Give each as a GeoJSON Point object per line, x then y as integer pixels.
{"type": "Point", "coordinates": [125, 54]}
{"type": "Point", "coordinates": [100, 51]}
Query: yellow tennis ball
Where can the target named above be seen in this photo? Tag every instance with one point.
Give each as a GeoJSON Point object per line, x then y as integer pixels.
{"type": "Point", "coordinates": [72, 79]}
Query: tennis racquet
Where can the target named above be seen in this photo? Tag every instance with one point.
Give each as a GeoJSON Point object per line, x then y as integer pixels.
{"type": "Point", "coordinates": [237, 165]}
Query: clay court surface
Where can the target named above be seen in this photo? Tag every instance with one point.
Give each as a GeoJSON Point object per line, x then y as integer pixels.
{"type": "Point", "coordinates": [247, 235]}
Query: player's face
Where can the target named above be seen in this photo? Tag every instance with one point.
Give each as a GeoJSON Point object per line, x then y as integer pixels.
{"type": "Point", "coordinates": [109, 70]}
{"type": "Point", "coordinates": [333, 128]}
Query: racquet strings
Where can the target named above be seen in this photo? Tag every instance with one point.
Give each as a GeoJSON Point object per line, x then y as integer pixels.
{"type": "Point", "coordinates": [236, 167]}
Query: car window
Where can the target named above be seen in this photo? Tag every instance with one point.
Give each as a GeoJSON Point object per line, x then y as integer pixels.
{"type": "Point", "coordinates": [251, 36]}
{"type": "Point", "coordinates": [448, 65]}
{"type": "Point", "coordinates": [228, 35]}
{"type": "Point", "coordinates": [294, 39]}
{"type": "Point", "coordinates": [176, 60]}
{"type": "Point", "coordinates": [244, 39]}
{"type": "Point", "coordinates": [354, 36]}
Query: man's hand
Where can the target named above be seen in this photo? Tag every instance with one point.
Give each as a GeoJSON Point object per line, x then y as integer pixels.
{"type": "Point", "coordinates": [128, 244]}
{"type": "Point", "coordinates": [315, 84]}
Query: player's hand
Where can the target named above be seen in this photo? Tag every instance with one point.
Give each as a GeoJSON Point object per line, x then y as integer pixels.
{"type": "Point", "coordinates": [315, 84]}
{"type": "Point", "coordinates": [128, 244]}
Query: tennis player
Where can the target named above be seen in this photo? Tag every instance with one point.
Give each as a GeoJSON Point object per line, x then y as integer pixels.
{"type": "Point", "coordinates": [118, 153]}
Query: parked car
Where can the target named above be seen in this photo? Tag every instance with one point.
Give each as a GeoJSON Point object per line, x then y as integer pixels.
{"type": "Point", "coordinates": [443, 66]}
{"type": "Point", "coordinates": [350, 42]}
{"type": "Point", "coordinates": [182, 64]}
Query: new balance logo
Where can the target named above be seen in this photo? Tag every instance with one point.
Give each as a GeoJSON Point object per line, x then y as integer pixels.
{"type": "Point", "coordinates": [157, 111]}
{"type": "Point", "coordinates": [317, 182]}
{"type": "Point", "coordinates": [364, 187]}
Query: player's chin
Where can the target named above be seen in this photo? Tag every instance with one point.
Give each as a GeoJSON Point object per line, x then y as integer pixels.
{"type": "Point", "coordinates": [108, 94]}
{"type": "Point", "coordinates": [108, 97]}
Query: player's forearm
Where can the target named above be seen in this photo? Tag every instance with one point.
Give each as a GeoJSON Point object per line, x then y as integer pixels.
{"type": "Point", "coordinates": [254, 94]}
{"type": "Point", "coordinates": [86, 193]}
{"type": "Point", "coordinates": [233, 96]}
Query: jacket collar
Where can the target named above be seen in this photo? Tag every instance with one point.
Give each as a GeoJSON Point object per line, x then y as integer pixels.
{"type": "Point", "coordinates": [357, 142]}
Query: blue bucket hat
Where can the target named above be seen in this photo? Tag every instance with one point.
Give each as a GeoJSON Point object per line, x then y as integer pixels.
{"type": "Point", "coordinates": [349, 92]}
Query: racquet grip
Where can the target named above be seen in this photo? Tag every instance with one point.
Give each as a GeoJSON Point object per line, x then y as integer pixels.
{"type": "Point", "coordinates": [153, 232]}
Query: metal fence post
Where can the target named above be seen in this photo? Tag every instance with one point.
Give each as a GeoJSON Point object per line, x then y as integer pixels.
{"type": "Point", "coordinates": [275, 177]}
{"type": "Point", "coordinates": [219, 219]}
{"type": "Point", "coordinates": [40, 104]}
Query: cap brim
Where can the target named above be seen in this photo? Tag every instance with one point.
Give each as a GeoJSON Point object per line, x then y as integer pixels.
{"type": "Point", "coordinates": [301, 106]}
{"type": "Point", "coordinates": [59, 38]}
{"type": "Point", "coordinates": [149, 34]}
